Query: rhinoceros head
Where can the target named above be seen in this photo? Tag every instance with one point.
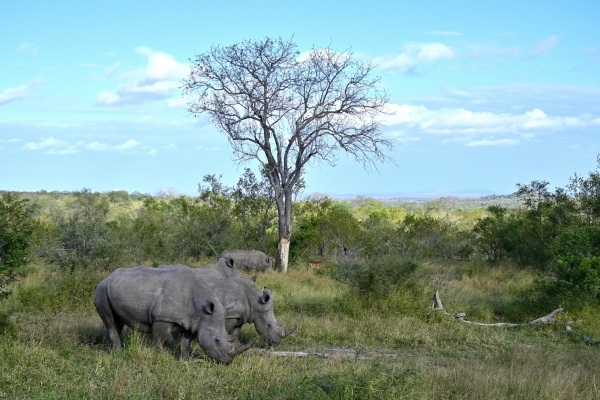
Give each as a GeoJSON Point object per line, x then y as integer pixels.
{"type": "Point", "coordinates": [265, 322]}
{"type": "Point", "coordinates": [213, 337]}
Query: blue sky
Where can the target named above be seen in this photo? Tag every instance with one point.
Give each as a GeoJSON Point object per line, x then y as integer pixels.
{"type": "Point", "coordinates": [487, 95]}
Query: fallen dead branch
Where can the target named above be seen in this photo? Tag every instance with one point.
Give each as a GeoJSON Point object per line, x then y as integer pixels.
{"type": "Point", "coordinates": [588, 340]}
{"type": "Point", "coordinates": [436, 304]}
{"type": "Point", "coordinates": [326, 353]}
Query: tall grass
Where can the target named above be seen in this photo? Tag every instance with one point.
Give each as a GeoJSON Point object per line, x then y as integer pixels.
{"type": "Point", "coordinates": [356, 346]}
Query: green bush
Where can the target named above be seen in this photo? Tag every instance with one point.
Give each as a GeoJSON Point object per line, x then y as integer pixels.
{"type": "Point", "coordinates": [378, 277]}
{"type": "Point", "coordinates": [16, 229]}
{"type": "Point", "coordinates": [72, 291]}
{"type": "Point", "coordinates": [85, 237]}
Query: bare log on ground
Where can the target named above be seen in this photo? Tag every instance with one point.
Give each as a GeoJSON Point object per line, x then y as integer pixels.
{"type": "Point", "coordinates": [436, 304]}
{"type": "Point", "coordinates": [588, 340]}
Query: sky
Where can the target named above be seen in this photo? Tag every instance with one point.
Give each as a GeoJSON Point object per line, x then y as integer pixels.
{"type": "Point", "coordinates": [486, 94]}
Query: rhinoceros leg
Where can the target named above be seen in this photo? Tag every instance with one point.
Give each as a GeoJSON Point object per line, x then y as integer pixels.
{"type": "Point", "coordinates": [161, 333]}
{"type": "Point", "coordinates": [186, 341]}
{"type": "Point", "coordinates": [112, 323]}
{"type": "Point", "coordinates": [114, 335]}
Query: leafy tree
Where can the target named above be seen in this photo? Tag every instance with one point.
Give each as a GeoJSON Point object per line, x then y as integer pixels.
{"type": "Point", "coordinates": [327, 228]}
{"type": "Point", "coordinates": [546, 215]}
{"type": "Point", "coordinates": [286, 110]}
{"type": "Point", "coordinates": [16, 230]}
{"type": "Point", "coordinates": [254, 209]}
{"type": "Point", "coordinates": [84, 237]}
{"type": "Point", "coordinates": [586, 192]}
{"type": "Point", "coordinates": [424, 236]}
{"type": "Point", "coordinates": [206, 224]}
{"type": "Point", "coordinates": [491, 232]}
{"type": "Point", "coordinates": [151, 235]}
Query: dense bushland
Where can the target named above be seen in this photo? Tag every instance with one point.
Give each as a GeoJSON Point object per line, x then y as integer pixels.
{"type": "Point", "coordinates": [366, 243]}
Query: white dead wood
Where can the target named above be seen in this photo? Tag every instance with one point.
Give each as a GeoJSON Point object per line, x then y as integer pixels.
{"type": "Point", "coordinates": [436, 305]}
{"type": "Point", "coordinates": [588, 340]}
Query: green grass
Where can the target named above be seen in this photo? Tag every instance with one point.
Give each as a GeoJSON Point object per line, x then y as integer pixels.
{"type": "Point", "coordinates": [375, 348]}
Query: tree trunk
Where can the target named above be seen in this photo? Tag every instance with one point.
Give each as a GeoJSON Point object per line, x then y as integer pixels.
{"type": "Point", "coordinates": [285, 231]}
{"type": "Point", "coordinates": [283, 252]}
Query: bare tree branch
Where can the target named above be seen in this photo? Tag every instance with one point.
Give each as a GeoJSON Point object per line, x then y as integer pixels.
{"type": "Point", "coordinates": [287, 111]}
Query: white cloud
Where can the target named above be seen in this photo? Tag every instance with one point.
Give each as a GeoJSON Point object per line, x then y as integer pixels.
{"type": "Point", "coordinates": [51, 141]}
{"type": "Point", "coordinates": [493, 51]}
{"type": "Point", "coordinates": [127, 146]}
{"type": "Point", "coordinates": [28, 47]}
{"type": "Point", "coordinates": [445, 33]}
{"type": "Point", "coordinates": [20, 92]}
{"type": "Point", "coordinates": [545, 45]}
{"type": "Point", "coordinates": [488, 142]}
{"type": "Point", "coordinates": [591, 50]}
{"type": "Point", "coordinates": [152, 152]}
{"type": "Point", "coordinates": [161, 77]}
{"type": "Point", "coordinates": [97, 146]}
{"type": "Point", "coordinates": [107, 98]}
{"type": "Point", "coordinates": [178, 102]}
{"type": "Point", "coordinates": [414, 55]}
{"type": "Point", "coordinates": [10, 140]}
{"type": "Point", "coordinates": [51, 145]}
{"type": "Point", "coordinates": [11, 94]}
{"type": "Point", "coordinates": [462, 124]}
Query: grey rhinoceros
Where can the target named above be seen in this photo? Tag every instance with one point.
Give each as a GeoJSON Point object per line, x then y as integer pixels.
{"type": "Point", "coordinates": [223, 268]}
{"type": "Point", "coordinates": [162, 301]}
{"type": "Point", "coordinates": [252, 305]}
{"type": "Point", "coordinates": [249, 260]}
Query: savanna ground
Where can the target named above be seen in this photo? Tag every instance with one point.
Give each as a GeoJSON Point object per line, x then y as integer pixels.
{"type": "Point", "coordinates": [53, 344]}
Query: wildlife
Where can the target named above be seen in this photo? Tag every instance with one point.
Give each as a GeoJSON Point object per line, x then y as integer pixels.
{"type": "Point", "coordinates": [161, 301]}
{"type": "Point", "coordinates": [315, 264]}
{"type": "Point", "coordinates": [249, 260]}
{"type": "Point", "coordinates": [224, 267]}
{"type": "Point", "coordinates": [252, 306]}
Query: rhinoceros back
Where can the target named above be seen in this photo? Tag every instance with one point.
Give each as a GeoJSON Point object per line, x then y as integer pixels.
{"type": "Point", "coordinates": [141, 295]}
{"type": "Point", "coordinates": [249, 260]}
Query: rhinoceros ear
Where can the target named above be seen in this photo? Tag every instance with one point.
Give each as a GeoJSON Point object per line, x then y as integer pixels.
{"type": "Point", "coordinates": [209, 307]}
{"type": "Point", "coordinates": [230, 262]}
{"type": "Point", "coordinates": [266, 296]}
{"type": "Point", "coordinates": [268, 260]}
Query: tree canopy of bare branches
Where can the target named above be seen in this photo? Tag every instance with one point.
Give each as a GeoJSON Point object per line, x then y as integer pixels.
{"type": "Point", "coordinates": [286, 110]}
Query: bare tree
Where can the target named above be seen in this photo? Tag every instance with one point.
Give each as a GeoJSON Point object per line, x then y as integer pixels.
{"type": "Point", "coordinates": [286, 109]}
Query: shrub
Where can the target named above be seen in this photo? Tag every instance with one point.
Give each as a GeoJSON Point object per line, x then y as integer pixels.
{"type": "Point", "coordinates": [74, 291]}
{"type": "Point", "coordinates": [16, 229]}
{"type": "Point", "coordinates": [377, 277]}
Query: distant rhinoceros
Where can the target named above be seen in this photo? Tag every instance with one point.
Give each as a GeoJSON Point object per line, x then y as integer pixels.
{"type": "Point", "coordinates": [224, 268]}
{"type": "Point", "coordinates": [162, 301]}
{"type": "Point", "coordinates": [252, 305]}
{"type": "Point", "coordinates": [249, 260]}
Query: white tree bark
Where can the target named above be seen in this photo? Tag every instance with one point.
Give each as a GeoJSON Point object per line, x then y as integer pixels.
{"type": "Point", "coordinates": [284, 252]}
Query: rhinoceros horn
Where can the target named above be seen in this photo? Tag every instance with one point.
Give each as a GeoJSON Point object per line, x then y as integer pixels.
{"type": "Point", "coordinates": [243, 347]}
{"type": "Point", "coordinates": [230, 305]}
{"type": "Point", "coordinates": [287, 332]}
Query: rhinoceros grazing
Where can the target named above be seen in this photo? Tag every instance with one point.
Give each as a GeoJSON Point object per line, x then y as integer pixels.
{"type": "Point", "coordinates": [252, 305]}
{"type": "Point", "coordinates": [249, 260]}
{"type": "Point", "coordinates": [162, 301]}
